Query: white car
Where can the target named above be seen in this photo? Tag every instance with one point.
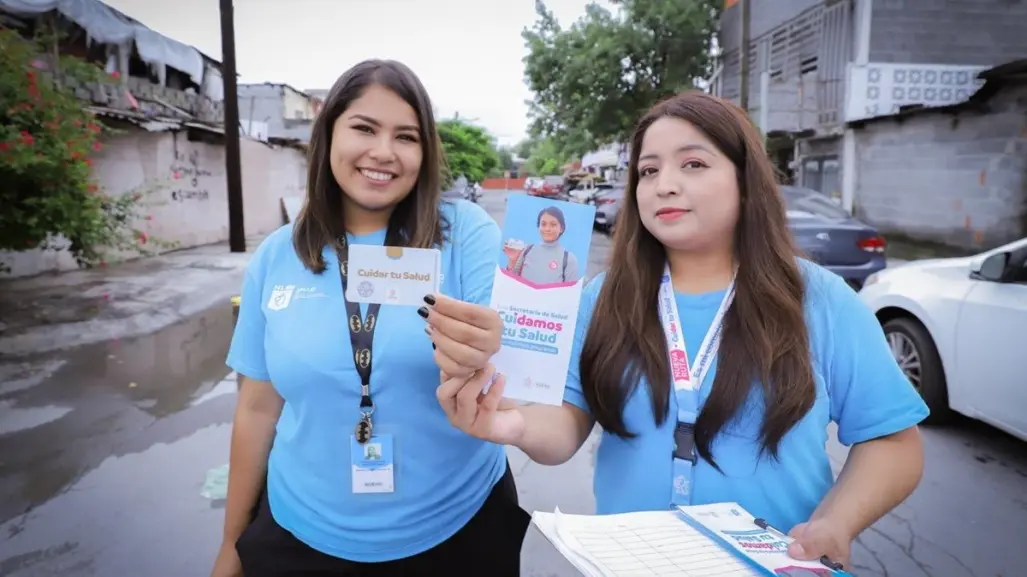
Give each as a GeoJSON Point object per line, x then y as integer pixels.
{"type": "Point", "coordinates": [958, 329]}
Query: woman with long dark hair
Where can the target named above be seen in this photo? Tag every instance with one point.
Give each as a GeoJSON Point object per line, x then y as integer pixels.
{"type": "Point", "coordinates": [714, 358]}
{"type": "Point", "coordinates": [336, 412]}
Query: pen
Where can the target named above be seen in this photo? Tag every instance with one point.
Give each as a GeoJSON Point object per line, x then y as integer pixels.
{"type": "Point", "coordinates": [762, 524]}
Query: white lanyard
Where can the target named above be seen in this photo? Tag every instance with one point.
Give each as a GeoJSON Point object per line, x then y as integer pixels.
{"type": "Point", "coordinates": [686, 378]}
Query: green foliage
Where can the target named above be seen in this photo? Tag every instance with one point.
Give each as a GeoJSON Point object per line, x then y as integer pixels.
{"type": "Point", "coordinates": [469, 151]}
{"type": "Point", "coordinates": [593, 80]}
{"type": "Point", "coordinates": [506, 161]}
{"type": "Point", "coordinates": [46, 137]}
{"type": "Point", "coordinates": [544, 158]}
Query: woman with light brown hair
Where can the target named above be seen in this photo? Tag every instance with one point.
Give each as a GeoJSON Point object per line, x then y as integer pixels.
{"type": "Point", "coordinates": [714, 358]}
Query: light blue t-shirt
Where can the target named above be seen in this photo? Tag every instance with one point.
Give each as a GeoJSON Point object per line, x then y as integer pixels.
{"type": "Point", "coordinates": [859, 386]}
{"type": "Point", "coordinates": [442, 476]}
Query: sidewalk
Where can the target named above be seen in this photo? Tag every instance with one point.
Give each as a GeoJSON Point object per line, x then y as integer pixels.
{"type": "Point", "coordinates": [60, 311]}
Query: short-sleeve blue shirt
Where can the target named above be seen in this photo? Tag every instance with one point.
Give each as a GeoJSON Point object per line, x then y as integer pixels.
{"type": "Point", "coordinates": [859, 386]}
{"type": "Point", "coordinates": [301, 345]}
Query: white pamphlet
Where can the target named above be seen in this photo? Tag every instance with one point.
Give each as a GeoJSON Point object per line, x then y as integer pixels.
{"type": "Point", "coordinates": [537, 289]}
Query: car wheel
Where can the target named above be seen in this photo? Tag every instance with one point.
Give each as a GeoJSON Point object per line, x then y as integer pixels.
{"type": "Point", "coordinates": [917, 356]}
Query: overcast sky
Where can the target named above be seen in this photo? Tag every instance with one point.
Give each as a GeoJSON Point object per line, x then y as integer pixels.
{"type": "Point", "coordinates": [467, 52]}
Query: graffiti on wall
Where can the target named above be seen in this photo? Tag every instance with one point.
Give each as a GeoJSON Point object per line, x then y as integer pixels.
{"type": "Point", "coordinates": [186, 171]}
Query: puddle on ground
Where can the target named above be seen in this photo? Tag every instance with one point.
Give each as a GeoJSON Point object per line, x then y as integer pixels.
{"type": "Point", "coordinates": [18, 377]}
{"type": "Point", "coordinates": [139, 513]}
{"type": "Point", "coordinates": [63, 413]}
{"type": "Point", "coordinates": [226, 386]}
{"type": "Point", "coordinates": [14, 419]}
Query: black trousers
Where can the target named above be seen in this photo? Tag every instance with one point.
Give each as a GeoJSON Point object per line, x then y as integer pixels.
{"type": "Point", "coordinates": [489, 545]}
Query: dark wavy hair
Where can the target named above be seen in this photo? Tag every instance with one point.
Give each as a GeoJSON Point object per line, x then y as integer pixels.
{"type": "Point", "coordinates": [418, 217]}
{"type": "Point", "coordinates": [764, 334]}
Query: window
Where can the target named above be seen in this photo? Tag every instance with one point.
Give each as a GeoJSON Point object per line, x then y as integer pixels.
{"type": "Point", "coordinates": [804, 200]}
{"type": "Point", "coordinates": [822, 174]}
{"type": "Point", "coordinates": [1019, 274]}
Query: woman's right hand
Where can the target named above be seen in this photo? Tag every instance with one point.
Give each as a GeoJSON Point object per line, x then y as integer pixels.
{"type": "Point", "coordinates": [512, 253]}
{"type": "Point", "coordinates": [227, 563]}
{"type": "Point", "coordinates": [487, 416]}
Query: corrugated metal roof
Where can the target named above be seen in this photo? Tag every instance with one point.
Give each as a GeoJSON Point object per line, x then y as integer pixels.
{"type": "Point", "coordinates": [153, 123]}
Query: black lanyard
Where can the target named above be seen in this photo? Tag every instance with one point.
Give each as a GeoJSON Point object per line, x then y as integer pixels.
{"type": "Point", "coordinates": [361, 338]}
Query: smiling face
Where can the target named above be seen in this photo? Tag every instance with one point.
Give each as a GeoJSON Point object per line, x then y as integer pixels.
{"type": "Point", "coordinates": [376, 151]}
{"type": "Point", "coordinates": [549, 228]}
{"type": "Point", "coordinates": [687, 193]}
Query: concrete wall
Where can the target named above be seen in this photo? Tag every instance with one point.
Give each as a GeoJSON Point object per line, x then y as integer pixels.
{"type": "Point", "coordinates": [959, 180]}
{"type": "Point", "coordinates": [764, 15]}
{"type": "Point", "coordinates": [288, 113]}
{"type": "Point", "coordinates": [803, 46]}
{"type": "Point", "coordinates": [297, 106]}
{"type": "Point", "coordinates": [185, 190]}
{"type": "Point", "coordinates": [791, 103]}
{"type": "Point", "coordinates": [984, 32]}
{"type": "Point", "coordinates": [262, 103]}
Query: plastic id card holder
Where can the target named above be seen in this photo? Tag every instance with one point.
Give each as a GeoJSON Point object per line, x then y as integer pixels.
{"type": "Point", "coordinates": [372, 465]}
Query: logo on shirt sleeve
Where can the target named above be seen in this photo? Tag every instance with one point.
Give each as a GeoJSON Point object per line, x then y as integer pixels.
{"type": "Point", "coordinates": [281, 296]}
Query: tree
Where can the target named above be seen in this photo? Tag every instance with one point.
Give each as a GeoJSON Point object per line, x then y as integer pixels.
{"type": "Point", "coordinates": [544, 158]}
{"type": "Point", "coordinates": [506, 160]}
{"type": "Point", "coordinates": [46, 137]}
{"type": "Point", "coordinates": [593, 80]}
{"type": "Point", "coordinates": [469, 151]}
{"type": "Point", "coordinates": [523, 148]}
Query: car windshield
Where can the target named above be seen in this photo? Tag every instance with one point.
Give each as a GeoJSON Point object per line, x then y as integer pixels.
{"type": "Point", "coordinates": [804, 201]}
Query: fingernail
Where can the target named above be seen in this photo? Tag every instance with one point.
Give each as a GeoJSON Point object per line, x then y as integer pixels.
{"type": "Point", "coordinates": [423, 311]}
{"type": "Point", "coordinates": [430, 299]}
{"type": "Point", "coordinates": [433, 346]}
{"type": "Point", "coordinates": [427, 330]}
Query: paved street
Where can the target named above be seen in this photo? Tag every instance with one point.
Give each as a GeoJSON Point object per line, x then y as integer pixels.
{"type": "Point", "coordinates": [104, 452]}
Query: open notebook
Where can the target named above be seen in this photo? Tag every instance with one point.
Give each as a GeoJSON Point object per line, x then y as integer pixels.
{"type": "Point", "coordinates": [720, 540]}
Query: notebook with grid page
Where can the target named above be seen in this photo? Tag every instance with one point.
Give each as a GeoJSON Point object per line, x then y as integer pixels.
{"type": "Point", "coordinates": [717, 540]}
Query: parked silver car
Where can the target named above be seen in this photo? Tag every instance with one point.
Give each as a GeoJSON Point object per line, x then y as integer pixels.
{"type": "Point", "coordinates": [607, 202]}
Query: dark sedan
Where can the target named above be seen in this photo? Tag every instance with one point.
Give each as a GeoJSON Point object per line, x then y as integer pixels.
{"type": "Point", "coordinates": [830, 236]}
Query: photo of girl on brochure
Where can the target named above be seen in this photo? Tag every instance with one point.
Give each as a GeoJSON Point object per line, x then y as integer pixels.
{"type": "Point", "coordinates": [549, 261]}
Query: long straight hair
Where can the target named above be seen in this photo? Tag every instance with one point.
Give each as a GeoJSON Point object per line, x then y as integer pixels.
{"type": "Point", "coordinates": [418, 217]}
{"type": "Point", "coordinates": [764, 332]}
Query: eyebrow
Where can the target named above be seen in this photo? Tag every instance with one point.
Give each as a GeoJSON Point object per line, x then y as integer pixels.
{"type": "Point", "coordinates": [374, 122]}
{"type": "Point", "coordinates": [685, 148]}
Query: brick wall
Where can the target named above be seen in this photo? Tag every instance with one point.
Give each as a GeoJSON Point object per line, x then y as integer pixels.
{"type": "Point", "coordinates": [985, 32]}
{"type": "Point", "coordinates": [959, 180]}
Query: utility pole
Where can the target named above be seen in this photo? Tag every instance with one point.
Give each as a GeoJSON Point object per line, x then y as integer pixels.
{"type": "Point", "coordinates": [233, 162]}
{"type": "Point", "coordinates": [743, 55]}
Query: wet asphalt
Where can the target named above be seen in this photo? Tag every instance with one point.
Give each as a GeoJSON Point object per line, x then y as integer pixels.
{"type": "Point", "coordinates": [104, 451]}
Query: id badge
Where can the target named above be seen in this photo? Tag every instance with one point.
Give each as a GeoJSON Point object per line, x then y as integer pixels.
{"type": "Point", "coordinates": [682, 482]}
{"type": "Point", "coordinates": [372, 465]}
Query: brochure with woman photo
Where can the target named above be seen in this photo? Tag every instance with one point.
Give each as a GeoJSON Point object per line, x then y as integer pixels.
{"type": "Point", "coordinates": [539, 275]}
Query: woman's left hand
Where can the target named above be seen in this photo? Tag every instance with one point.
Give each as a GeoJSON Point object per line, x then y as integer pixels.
{"type": "Point", "coordinates": [819, 538]}
{"type": "Point", "coordinates": [465, 335]}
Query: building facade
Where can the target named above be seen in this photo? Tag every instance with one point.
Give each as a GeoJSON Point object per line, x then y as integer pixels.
{"type": "Point", "coordinates": [817, 68]}
{"type": "Point", "coordinates": [283, 112]}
